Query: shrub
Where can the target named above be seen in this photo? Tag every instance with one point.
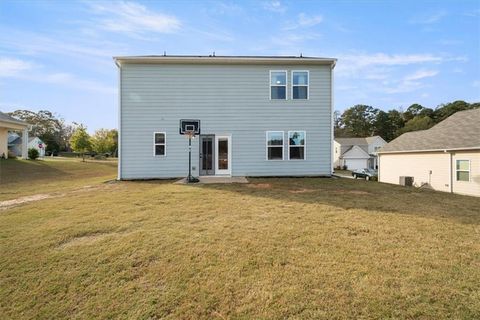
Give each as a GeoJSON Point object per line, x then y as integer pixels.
{"type": "Point", "coordinates": [33, 153]}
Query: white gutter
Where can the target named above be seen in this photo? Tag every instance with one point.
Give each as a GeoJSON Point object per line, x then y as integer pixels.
{"type": "Point", "coordinates": [332, 146]}
{"type": "Point", "coordinates": [119, 151]}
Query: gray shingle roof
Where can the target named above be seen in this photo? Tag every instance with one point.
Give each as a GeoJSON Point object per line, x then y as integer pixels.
{"type": "Point", "coordinates": [460, 130]}
{"type": "Point", "coordinates": [352, 141]}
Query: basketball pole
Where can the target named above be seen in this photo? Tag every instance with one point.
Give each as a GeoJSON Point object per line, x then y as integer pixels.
{"type": "Point", "coordinates": [189, 158]}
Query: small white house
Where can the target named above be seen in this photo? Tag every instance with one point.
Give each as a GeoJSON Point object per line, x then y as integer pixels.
{"type": "Point", "coordinates": [445, 157]}
{"type": "Point", "coordinates": [7, 124]}
{"type": "Point", "coordinates": [15, 144]}
{"type": "Point", "coordinates": [357, 153]}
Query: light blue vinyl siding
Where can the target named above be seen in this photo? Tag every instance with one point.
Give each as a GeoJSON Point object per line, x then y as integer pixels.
{"type": "Point", "coordinates": [228, 99]}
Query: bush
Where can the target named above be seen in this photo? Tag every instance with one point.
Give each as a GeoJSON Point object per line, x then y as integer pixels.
{"type": "Point", "coordinates": [33, 153]}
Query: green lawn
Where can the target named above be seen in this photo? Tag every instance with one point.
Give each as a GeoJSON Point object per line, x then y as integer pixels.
{"type": "Point", "coordinates": [271, 249]}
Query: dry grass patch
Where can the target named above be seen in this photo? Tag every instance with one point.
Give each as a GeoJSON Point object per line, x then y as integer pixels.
{"type": "Point", "coordinates": [20, 178]}
{"type": "Point", "coordinates": [155, 250]}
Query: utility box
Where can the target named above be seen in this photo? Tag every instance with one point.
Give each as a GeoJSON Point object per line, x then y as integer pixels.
{"type": "Point", "coordinates": [406, 181]}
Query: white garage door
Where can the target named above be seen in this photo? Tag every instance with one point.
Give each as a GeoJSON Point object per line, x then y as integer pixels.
{"type": "Point", "coordinates": [354, 164]}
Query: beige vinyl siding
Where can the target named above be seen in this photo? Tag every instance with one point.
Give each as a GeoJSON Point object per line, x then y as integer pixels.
{"type": "Point", "coordinates": [417, 165]}
{"type": "Point", "coordinates": [471, 187]}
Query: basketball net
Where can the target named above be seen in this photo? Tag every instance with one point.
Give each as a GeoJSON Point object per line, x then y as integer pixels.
{"type": "Point", "coordinates": [190, 134]}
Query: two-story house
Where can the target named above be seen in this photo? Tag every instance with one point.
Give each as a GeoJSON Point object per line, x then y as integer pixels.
{"type": "Point", "coordinates": [259, 116]}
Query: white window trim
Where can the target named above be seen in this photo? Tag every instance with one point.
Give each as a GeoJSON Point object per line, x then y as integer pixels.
{"type": "Point", "coordinates": [268, 146]}
{"type": "Point", "coordinates": [160, 144]}
{"type": "Point", "coordinates": [457, 170]}
{"type": "Point", "coordinates": [272, 85]}
{"type": "Point", "coordinates": [304, 145]}
{"type": "Point", "coordinates": [227, 172]}
{"type": "Point", "coordinates": [301, 85]}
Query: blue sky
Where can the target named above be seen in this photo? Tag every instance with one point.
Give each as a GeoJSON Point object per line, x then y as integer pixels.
{"type": "Point", "coordinates": [57, 55]}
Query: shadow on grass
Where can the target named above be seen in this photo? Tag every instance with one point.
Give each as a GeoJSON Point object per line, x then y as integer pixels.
{"type": "Point", "coordinates": [359, 194]}
{"type": "Point", "coordinates": [21, 171]}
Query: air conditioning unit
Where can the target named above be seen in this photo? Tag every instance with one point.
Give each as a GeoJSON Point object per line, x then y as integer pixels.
{"type": "Point", "coordinates": [406, 181]}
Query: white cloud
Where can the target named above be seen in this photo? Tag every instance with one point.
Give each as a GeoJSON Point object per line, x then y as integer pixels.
{"type": "Point", "coordinates": [11, 66]}
{"type": "Point", "coordinates": [391, 60]}
{"type": "Point", "coordinates": [304, 21]}
{"type": "Point", "coordinates": [293, 39]}
{"type": "Point", "coordinates": [17, 69]}
{"type": "Point", "coordinates": [421, 74]}
{"type": "Point", "coordinates": [72, 81]}
{"type": "Point", "coordinates": [134, 19]}
{"type": "Point", "coordinates": [379, 66]}
{"type": "Point", "coordinates": [430, 18]}
{"type": "Point", "coordinates": [411, 82]}
{"type": "Point", "coordinates": [274, 6]}
{"type": "Point", "coordinates": [473, 13]}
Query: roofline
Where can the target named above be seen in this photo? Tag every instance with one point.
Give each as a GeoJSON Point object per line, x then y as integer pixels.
{"type": "Point", "coordinates": [430, 150]}
{"type": "Point", "coordinates": [225, 60]}
{"type": "Point", "coordinates": [20, 122]}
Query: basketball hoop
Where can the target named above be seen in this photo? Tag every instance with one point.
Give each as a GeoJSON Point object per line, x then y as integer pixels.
{"type": "Point", "coordinates": [190, 134]}
{"type": "Point", "coordinates": [190, 128]}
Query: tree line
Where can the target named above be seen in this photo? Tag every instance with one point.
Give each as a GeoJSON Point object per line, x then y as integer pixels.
{"type": "Point", "coordinates": [60, 136]}
{"type": "Point", "coordinates": [366, 121]}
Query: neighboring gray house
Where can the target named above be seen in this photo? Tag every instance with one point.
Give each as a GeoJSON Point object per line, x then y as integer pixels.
{"type": "Point", "coordinates": [260, 116]}
{"type": "Point", "coordinates": [357, 153]}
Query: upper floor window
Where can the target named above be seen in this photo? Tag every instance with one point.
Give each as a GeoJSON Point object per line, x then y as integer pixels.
{"type": "Point", "coordinates": [296, 145]}
{"type": "Point", "coordinates": [159, 143]}
{"type": "Point", "coordinates": [463, 170]}
{"type": "Point", "coordinates": [278, 85]}
{"type": "Point", "coordinates": [300, 80]}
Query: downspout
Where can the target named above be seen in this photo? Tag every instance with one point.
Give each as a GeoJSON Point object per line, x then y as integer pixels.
{"type": "Point", "coordinates": [119, 151]}
{"type": "Point", "coordinates": [331, 119]}
{"type": "Point", "coordinates": [451, 171]}
{"type": "Point", "coordinates": [378, 164]}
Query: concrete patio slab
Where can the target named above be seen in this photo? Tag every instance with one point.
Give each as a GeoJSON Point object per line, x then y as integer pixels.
{"type": "Point", "coordinates": [212, 180]}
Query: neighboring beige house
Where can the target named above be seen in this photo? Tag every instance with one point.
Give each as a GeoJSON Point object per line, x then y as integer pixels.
{"type": "Point", "coordinates": [357, 153]}
{"type": "Point", "coordinates": [8, 123]}
{"type": "Point", "coordinates": [15, 143]}
{"type": "Point", "coordinates": [445, 157]}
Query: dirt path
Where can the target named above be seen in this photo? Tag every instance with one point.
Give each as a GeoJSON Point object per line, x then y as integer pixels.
{"type": "Point", "coordinates": [7, 204]}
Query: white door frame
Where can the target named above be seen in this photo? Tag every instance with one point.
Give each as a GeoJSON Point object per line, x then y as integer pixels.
{"type": "Point", "coordinates": [229, 170]}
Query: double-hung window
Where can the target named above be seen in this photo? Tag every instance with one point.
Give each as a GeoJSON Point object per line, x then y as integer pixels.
{"type": "Point", "coordinates": [159, 143]}
{"type": "Point", "coordinates": [274, 145]}
{"type": "Point", "coordinates": [278, 85]}
{"type": "Point", "coordinates": [463, 170]}
{"type": "Point", "coordinates": [300, 80]}
{"type": "Point", "coordinates": [296, 145]}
